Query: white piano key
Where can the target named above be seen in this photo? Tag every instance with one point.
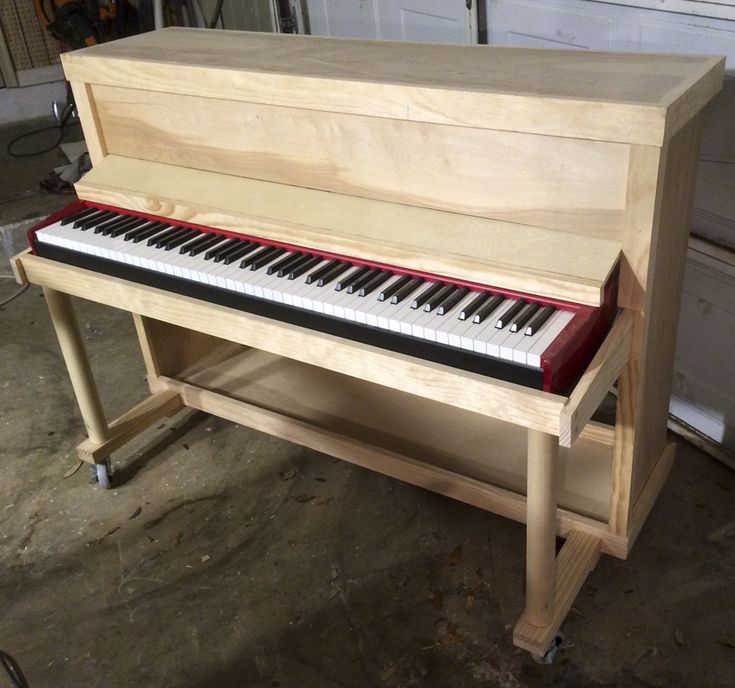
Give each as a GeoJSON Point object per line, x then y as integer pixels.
{"type": "Point", "coordinates": [556, 323]}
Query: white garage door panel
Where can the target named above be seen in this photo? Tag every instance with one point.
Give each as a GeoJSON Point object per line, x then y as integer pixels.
{"type": "Point", "coordinates": [550, 25]}
{"type": "Point", "coordinates": [685, 36]}
{"type": "Point", "coordinates": [340, 18]}
{"type": "Point", "coordinates": [438, 21]}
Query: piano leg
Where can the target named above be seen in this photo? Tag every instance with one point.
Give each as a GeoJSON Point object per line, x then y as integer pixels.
{"type": "Point", "coordinates": [77, 363]}
{"type": "Point", "coordinates": [552, 582]}
{"type": "Point", "coordinates": [543, 451]}
{"type": "Point", "coordinates": [103, 438]}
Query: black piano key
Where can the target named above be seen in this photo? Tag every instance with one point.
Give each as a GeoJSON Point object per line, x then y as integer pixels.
{"type": "Point", "coordinates": [264, 251]}
{"type": "Point", "coordinates": [165, 234]}
{"type": "Point", "coordinates": [183, 232]}
{"type": "Point", "coordinates": [407, 289]}
{"type": "Point", "coordinates": [507, 316]}
{"type": "Point", "coordinates": [333, 274]}
{"type": "Point", "coordinates": [203, 243]}
{"type": "Point", "coordinates": [218, 251]}
{"type": "Point", "coordinates": [471, 307]}
{"type": "Point", "coordinates": [96, 215]}
{"type": "Point", "coordinates": [358, 283]}
{"type": "Point", "coordinates": [227, 250]}
{"type": "Point", "coordinates": [79, 216]}
{"type": "Point", "coordinates": [452, 300]}
{"type": "Point", "coordinates": [426, 294]}
{"type": "Point", "coordinates": [306, 261]}
{"type": "Point", "coordinates": [102, 226]}
{"type": "Point", "coordinates": [304, 266]}
{"type": "Point", "coordinates": [131, 234]}
{"type": "Point", "coordinates": [488, 307]}
{"type": "Point", "coordinates": [538, 320]}
{"type": "Point", "coordinates": [181, 239]}
{"type": "Point", "coordinates": [442, 294]}
{"type": "Point", "coordinates": [126, 222]}
{"type": "Point", "coordinates": [267, 257]}
{"type": "Point", "coordinates": [151, 232]}
{"type": "Point", "coordinates": [281, 267]}
{"type": "Point", "coordinates": [524, 316]}
{"type": "Point", "coordinates": [127, 227]}
{"type": "Point", "coordinates": [349, 279]}
{"type": "Point", "coordinates": [375, 282]}
{"type": "Point", "coordinates": [94, 220]}
{"type": "Point", "coordinates": [163, 241]}
{"type": "Point", "coordinates": [322, 271]}
{"type": "Point", "coordinates": [240, 251]}
{"type": "Point", "coordinates": [394, 287]}
{"type": "Point", "coordinates": [205, 240]}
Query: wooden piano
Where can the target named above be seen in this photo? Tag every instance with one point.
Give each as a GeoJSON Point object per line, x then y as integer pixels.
{"type": "Point", "coordinates": [363, 247]}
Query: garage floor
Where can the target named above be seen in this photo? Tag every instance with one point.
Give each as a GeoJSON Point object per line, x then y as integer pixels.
{"type": "Point", "coordinates": [227, 558]}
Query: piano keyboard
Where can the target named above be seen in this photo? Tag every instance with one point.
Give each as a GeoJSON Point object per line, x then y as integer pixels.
{"type": "Point", "coordinates": [479, 326]}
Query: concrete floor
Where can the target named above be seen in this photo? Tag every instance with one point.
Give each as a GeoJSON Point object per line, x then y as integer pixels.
{"type": "Point", "coordinates": [228, 558]}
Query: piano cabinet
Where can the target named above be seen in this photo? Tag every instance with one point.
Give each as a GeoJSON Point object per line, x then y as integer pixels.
{"type": "Point", "coordinates": [491, 444]}
{"type": "Point", "coordinates": [535, 171]}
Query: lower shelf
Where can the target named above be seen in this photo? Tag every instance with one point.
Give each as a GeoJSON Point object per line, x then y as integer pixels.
{"type": "Point", "coordinates": [412, 438]}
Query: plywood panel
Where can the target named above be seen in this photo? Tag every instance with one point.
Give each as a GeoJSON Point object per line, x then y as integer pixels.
{"type": "Point", "coordinates": [576, 185]}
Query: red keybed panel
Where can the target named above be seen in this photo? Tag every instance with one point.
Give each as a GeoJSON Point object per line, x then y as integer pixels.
{"type": "Point", "coordinates": [562, 363]}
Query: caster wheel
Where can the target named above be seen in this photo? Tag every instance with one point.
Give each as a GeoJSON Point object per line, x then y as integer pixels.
{"type": "Point", "coordinates": [101, 475]}
{"type": "Point", "coordinates": [550, 655]}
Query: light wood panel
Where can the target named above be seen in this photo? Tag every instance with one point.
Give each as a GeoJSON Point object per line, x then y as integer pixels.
{"type": "Point", "coordinates": [656, 242]}
{"type": "Point", "coordinates": [168, 349]}
{"type": "Point", "coordinates": [527, 258]}
{"type": "Point", "coordinates": [607, 96]}
{"type": "Point", "coordinates": [561, 183]}
{"type": "Point", "coordinates": [483, 395]}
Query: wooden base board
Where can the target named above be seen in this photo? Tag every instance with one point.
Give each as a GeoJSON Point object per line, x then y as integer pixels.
{"type": "Point", "coordinates": [404, 436]}
{"type": "Point", "coordinates": [577, 558]}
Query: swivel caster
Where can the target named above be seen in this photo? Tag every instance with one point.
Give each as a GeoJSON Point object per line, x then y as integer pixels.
{"type": "Point", "coordinates": [557, 643]}
{"type": "Point", "coordinates": [100, 474]}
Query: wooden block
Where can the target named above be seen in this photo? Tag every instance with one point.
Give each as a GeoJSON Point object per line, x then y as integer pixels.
{"type": "Point", "coordinates": [89, 118]}
{"type": "Point", "coordinates": [130, 424]}
{"type": "Point", "coordinates": [16, 265]}
{"type": "Point", "coordinates": [577, 558]}
{"type": "Point", "coordinates": [597, 380]}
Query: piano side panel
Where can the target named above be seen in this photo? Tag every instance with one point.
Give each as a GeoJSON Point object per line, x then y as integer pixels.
{"type": "Point", "coordinates": [571, 184]}
{"type": "Point", "coordinates": [652, 271]}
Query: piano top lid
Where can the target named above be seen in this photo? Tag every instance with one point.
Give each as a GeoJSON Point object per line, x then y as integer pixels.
{"type": "Point", "coordinates": [622, 97]}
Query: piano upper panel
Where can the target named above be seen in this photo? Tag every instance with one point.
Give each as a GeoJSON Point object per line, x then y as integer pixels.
{"type": "Point", "coordinates": [563, 183]}
{"type": "Point", "coordinates": [628, 98]}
